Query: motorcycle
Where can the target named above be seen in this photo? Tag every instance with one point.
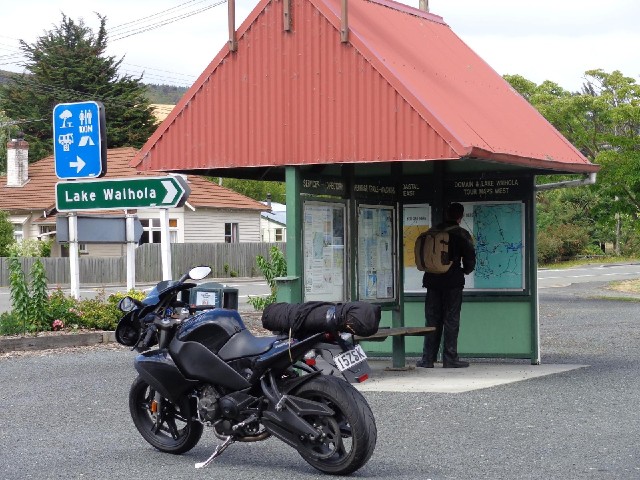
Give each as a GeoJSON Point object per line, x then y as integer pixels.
{"type": "Point", "coordinates": [209, 370]}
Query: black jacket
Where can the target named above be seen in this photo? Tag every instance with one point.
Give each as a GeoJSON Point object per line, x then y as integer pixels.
{"type": "Point", "coordinates": [463, 254]}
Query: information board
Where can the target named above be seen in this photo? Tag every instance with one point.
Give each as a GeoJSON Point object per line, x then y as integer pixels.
{"type": "Point", "coordinates": [376, 273]}
{"type": "Point", "coordinates": [498, 232]}
{"type": "Point", "coordinates": [324, 254]}
{"type": "Point", "coordinates": [416, 219]}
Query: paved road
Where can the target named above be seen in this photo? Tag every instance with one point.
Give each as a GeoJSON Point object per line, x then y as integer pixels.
{"type": "Point", "coordinates": [547, 278]}
{"type": "Point", "coordinates": [65, 415]}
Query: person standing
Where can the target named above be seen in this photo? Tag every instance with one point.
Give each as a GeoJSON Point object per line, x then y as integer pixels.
{"type": "Point", "coordinates": [444, 293]}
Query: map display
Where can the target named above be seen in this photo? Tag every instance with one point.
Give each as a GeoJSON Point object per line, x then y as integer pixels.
{"type": "Point", "coordinates": [323, 242]}
{"type": "Point", "coordinates": [376, 279]}
{"type": "Point", "coordinates": [498, 231]}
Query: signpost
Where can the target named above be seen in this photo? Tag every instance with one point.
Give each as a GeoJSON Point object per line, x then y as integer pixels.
{"type": "Point", "coordinates": [79, 140]}
{"type": "Point", "coordinates": [99, 229]}
{"type": "Point", "coordinates": [122, 193]}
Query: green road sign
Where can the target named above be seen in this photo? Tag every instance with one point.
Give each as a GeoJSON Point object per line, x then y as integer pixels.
{"type": "Point", "coordinates": [121, 193]}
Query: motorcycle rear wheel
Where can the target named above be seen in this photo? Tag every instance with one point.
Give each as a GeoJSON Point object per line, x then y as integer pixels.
{"type": "Point", "coordinates": [171, 428]}
{"type": "Point", "coordinates": [350, 435]}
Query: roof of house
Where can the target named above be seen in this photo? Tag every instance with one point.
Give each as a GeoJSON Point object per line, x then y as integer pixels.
{"type": "Point", "coordinates": [39, 192]}
{"type": "Point", "coordinates": [404, 87]}
{"type": "Point", "coordinates": [278, 213]}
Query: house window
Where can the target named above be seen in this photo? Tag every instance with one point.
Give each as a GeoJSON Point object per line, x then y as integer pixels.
{"type": "Point", "coordinates": [279, 234]}
{"type": "Point", "coordinates": [46, 231]}
{"type": "Point", "coordinates": [18, 234]}
{"type": "Point", "coordinates": [231, 233]}
{"type": "Point", "coordinates": [152, 232]}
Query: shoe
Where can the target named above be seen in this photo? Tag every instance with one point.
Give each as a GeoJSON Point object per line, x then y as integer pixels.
{"type": "Point", "coordinates": [455, 364]}
{"type": "Point", "coordinates": [424, 364]}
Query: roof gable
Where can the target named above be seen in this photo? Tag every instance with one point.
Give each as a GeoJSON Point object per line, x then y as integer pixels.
{"type": "Point", "coordinates": [403, 88]}
{"type": "Point", "coordinates": [39, 192]}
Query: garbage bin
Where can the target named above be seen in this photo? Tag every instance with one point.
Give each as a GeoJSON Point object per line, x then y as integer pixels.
{"type": "Point", "coordinates": [230, 298]}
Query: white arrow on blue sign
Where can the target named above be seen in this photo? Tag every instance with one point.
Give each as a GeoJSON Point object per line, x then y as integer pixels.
{"type": "Point", "coordinates": [79, 144]}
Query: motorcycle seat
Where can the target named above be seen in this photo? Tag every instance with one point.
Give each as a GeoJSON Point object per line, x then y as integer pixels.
{"type": "Point", "coordinates": [245, 344]}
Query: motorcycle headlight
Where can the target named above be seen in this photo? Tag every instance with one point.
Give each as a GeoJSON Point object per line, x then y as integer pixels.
{"type": "Point", "coordinates": [126, 304]}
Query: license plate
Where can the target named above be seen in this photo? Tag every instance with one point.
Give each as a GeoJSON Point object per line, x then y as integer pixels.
{"type": "Point", "coordinates": [350, 358]}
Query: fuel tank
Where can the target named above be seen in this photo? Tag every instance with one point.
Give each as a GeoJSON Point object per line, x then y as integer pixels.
{"type": "Point", "coordinates": [196, 344]}
{"type": "Point", "coordinates": [211, 328]}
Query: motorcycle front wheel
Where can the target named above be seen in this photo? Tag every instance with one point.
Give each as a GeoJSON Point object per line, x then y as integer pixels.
{"type": "Point", "coordinates": [167, 426]}
{"type": "Point", "coordinates": [348, 437]}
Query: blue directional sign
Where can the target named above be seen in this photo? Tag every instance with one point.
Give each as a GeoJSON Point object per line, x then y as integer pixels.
{"type": "Point", "coordinates": [79, 140]}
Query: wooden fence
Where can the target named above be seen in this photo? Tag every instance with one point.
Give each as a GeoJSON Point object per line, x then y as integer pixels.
{"type": "Point", "coordinates": [225, 259]}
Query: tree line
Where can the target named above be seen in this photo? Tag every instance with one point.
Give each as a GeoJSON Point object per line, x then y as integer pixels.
{"type": "Point", "coordinates": [602, 120]}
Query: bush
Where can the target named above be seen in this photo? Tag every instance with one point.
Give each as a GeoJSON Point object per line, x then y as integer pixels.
{"type": "Point", "coordinates": [30, 248]}
{"type": "Point", "coordinates": [277, 267]}
{"type": "Point", "coordinates": [10, 324]}
{"type": "Point", "coordinates": [563, 241]}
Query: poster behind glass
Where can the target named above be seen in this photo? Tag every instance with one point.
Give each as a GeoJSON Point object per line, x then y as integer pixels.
{"type": "Point", "coordinates": [416, 219]}
{"type": "Point", "coordinates": [323, 243]}
{"type": "Point", "coordinates": [498, 232]}
{"type": "Point", "coordinates": [376, 272]}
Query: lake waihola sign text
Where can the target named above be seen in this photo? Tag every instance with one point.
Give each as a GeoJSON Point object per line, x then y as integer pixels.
{"type": "Point", "coordinates": [152, 192]}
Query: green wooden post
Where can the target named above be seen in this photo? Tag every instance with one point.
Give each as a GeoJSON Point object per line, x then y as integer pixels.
{"type": "Point", "coordinates": [533, 276]}
{"type": "Point", "coordinates": [291, 285]}
{"type": "Point", "coordinates": [398, 355]}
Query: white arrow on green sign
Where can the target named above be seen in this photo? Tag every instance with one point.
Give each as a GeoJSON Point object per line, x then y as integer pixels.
{"type": "Point", "coordinates": [122, 193]}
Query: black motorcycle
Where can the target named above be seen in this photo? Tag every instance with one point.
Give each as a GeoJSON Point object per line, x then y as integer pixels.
{"type": "Point", "coordinates": [209, 370]}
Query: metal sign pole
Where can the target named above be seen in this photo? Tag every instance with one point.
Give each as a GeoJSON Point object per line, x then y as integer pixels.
{"type": "Point", "coordinates": [131, 251]}
{"type": "Point", "coordinates": [74, 259]}
{"type": "Point", "coordinates": [165, 244]}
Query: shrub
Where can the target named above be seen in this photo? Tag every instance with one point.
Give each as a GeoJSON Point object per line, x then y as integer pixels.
{"type": "Point", "coordinates": [64, 308]}
{"type": "Point", "coordinates": [277, 267]}
{"type": "Point", "coordinates": [30, 247]}
{"type": "Point", "coordinates": [10, 324]}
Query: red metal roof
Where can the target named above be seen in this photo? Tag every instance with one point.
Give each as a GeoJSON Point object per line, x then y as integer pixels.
{"type": "Point", "coordinates": [404, 88]}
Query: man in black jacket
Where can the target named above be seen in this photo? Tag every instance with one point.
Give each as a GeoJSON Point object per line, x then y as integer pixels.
{"type": "Point", "coordinates": [444, 294]}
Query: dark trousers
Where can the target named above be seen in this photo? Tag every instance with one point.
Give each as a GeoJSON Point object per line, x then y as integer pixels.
{"type": "Point", "coordinates": [442, 311]}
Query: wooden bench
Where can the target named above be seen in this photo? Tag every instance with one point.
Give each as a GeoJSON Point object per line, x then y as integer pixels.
{"type": "Point", "coordinates": [397, 335]}
{"type": "Point", "coordinates": [385, 332]}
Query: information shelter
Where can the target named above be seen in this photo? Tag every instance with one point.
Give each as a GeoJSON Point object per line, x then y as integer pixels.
{"type": "Point", "coordinates": [375, 127]}
{"type": "Point", "coordinates": [358, 230]}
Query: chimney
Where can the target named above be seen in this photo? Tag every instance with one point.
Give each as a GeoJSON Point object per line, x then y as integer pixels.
{"type": "Point", "coordinates": [269, 201]}
{"type": "Point", "coordinates": [17, 161]}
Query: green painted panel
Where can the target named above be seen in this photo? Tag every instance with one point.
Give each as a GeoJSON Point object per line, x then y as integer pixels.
{"type": "Point", "coordinates": [487, 329]}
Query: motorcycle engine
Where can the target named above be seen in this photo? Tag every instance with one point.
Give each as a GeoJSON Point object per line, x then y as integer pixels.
{"type": "Point", "coordinates": [208, 408]}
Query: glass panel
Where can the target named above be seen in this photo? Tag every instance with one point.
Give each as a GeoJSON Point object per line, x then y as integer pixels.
{"type": "Point", "coordinates": [324, 254]}
{"type": "Point", "coordinates": [376, 268]}
{"type": "Point", "coordinates": [416, 219]}
{"type": "Point", "coordinates": [173, 223]}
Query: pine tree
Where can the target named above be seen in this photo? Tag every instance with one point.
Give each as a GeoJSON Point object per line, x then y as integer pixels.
{"type": "Point", "coordinates": [68, 64]}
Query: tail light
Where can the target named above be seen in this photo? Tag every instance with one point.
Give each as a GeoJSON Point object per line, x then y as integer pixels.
{"type": "Point", "coordinates": [310, 358]}
{"type": "Point", "coordinates": [329, 337]}
{"type": "Point", "coordinates": [362, 378]}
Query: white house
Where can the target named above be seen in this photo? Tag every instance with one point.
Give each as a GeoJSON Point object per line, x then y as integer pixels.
{"type": "Point", "coordinates": [273, 223]}
{"type": "Point", "coordinates": [211, 214]}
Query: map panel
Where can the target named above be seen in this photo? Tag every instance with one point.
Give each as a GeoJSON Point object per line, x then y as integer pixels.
{"type": "Point", "coordinates": [498, 231]}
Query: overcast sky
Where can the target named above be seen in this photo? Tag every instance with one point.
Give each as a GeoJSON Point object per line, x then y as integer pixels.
{"type": "Point", "coordinates": [543, 40]}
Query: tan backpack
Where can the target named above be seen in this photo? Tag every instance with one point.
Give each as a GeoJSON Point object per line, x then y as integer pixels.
{"type": "Point", "coordinates": [431, 250]}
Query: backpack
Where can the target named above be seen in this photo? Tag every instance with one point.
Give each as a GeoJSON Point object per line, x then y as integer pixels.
{"type": "Point", "coordinates": [431, 250]}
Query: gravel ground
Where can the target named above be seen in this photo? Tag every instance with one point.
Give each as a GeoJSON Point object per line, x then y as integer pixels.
{"type": "Point", "coordinates": [65, 415]}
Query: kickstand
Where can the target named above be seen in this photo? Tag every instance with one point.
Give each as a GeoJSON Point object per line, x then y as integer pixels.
{"type": "Point", "coordinates": [219, 449]}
